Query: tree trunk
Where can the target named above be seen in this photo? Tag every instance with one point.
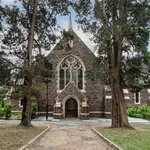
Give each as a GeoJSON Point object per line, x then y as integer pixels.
{"type": "Point", "coordinates": [26, 114]}
{"type": "Point", "coordinates": [24, 108]}
{"type": "Point", "coordinates": [119, 104]}
{"type": "Point", "coordinates": [114, 42]}
{"type": "Point", "coordinates": [47, 99]}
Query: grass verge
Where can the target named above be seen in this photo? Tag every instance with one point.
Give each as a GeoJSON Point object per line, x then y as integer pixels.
{"type": "Point", "coordinates": [138, 139]}
{"type": "Point", "coordinates": [12, 137]}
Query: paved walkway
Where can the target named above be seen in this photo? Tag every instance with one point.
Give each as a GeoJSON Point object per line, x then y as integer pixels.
{"type": "Point", "coordinates": [73, 121]}
{"type": "Point", "coordinates": [70, 137]}
{"type": "Point", "coordinates": [75, 134]}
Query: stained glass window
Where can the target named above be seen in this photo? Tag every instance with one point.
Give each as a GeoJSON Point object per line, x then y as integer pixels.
{"type": "Point", "coordinates": [67, 76]}
{"type": "Point", "coordinates": [61, 79]}
{"type": "Point", "coordinates": [70, 71]}
{"type": "Point", "coordinates": [80, 79]}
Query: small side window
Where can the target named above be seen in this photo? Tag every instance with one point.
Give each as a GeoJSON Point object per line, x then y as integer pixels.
{"type": "Point", "coordinates": [137, 98]}
{"type": "Point", "coordinates": [21, 102]}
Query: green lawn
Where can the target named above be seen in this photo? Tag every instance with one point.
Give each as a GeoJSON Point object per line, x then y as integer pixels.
{"type": "Point", "coordinates": [12, 137]}
{"type": "Point", "coordinates": [138, 139]}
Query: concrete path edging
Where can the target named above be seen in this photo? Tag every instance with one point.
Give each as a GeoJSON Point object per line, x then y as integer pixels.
{"type": "Point", "coordinates": [31, 141]}
{"type": "Point", "coordinates": [112, 144]}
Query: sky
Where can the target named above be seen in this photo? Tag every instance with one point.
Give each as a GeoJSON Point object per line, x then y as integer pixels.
{"type": "Point", "coordinates": [63, 21]}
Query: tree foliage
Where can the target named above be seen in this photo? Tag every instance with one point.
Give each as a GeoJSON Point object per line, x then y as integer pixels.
{"type": "Point", "coordinates": [17, 22]}
{"type": "Point", "coordinates": [131, 26]}
{"type": "Point", "coordinates": [30, 26]}
{"type": "Point", "coordinates": [5, 69]}
{"type": "Point", "coordinates": [2, 94]}
{"type": "Point", "coordinates": [120, 28]}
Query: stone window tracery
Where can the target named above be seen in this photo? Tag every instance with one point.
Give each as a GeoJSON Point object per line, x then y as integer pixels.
{"type": "Point", "coordinates": [70, 70]}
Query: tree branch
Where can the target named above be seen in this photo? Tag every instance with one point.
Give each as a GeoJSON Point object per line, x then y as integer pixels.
{"type": "Point", "coordinates": [6, 60]}
{"type": "Point", "coordinates": [38, 46]}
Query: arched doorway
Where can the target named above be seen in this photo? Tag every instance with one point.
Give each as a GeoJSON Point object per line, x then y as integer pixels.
{"type": "Point", "coordinates": [71, 108]}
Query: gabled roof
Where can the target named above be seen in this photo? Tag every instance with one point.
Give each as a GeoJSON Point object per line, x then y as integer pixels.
{"type": "Point", "coordinates": [76, 41]}
{"type": "Point", "coordinates": [80, 43]}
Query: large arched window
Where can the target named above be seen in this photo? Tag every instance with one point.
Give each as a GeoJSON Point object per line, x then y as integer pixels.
{"type": "Point", "coordinates": [70, 70]}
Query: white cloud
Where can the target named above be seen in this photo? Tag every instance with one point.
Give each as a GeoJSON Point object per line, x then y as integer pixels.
{"type": "Point", "coordinates": [7, 2]}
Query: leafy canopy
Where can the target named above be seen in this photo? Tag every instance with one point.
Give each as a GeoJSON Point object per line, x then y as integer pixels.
{"type": "Point", "coordinates": [114, 21]}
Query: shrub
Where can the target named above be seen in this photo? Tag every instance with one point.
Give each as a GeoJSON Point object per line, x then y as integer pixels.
{"type": "Point", "coordinates": [142, 111]}
{"type": "Point", "coordinates": [33, 109]}
{"type": "Point", "coordinates": [7, 110]}
{"type": "Point", "coordinates": [132, 111]}
{"type": "Point", "coordinates": [1, 112]}
{"type": "Point", "coordinates": [17, 116]}
{"type": "Point", "coordinates": [33, 112]}
{"type": "Point", "coordinates": [3, 91]}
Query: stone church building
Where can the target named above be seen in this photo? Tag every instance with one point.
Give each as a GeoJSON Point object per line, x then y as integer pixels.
{"type": "Point", "coordinates": [70, 93]}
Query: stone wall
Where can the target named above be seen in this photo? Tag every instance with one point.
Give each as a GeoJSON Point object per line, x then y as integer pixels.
{"type": "Point", "coordinates": [16, 107]}
{"type": "Point", "coordinates": [93, 90]}
{"type": "Point", "coordinates": [129, 97]}
{"type": "Point", "coordinates": [144, 97]}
